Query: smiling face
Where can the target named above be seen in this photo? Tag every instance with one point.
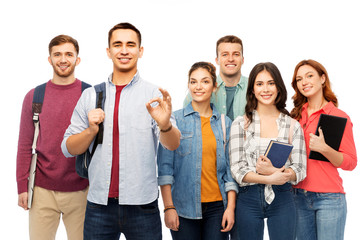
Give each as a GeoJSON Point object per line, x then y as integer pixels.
{"type": "Point", "coordinates": [201, 85]}
{"type": "Point", "coordinates": [229, 59]}
{"type": "Point", "coordinates": [265, 89]}
{"type": "Point", "coordinates": [309, 82]}
{"type": "Point", "coordinates": [63, 59]}
{"type": "Point", "coordinates": [124, 50]}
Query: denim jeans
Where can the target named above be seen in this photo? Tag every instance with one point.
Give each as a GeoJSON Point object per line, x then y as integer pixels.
{"type": "Point", "coordinates": [136, 222]}
{"type": "Point", "coordinates": [320, 216]}
{"type": "Point", "coordinates": [252, 209]}
{"type": "Point", "coordinates": [208, 228]}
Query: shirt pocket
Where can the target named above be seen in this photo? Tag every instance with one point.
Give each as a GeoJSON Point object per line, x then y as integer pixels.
{"type": "Point", "coordinates": [185, 146]}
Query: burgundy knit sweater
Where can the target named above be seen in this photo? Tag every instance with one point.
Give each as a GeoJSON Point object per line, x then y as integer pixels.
{"type": "Point", "coordinates": [54, 171]}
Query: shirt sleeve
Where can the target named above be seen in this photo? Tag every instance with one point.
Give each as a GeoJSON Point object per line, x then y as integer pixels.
{"type": "Point", "coordinates": [79, 120]}
{"type": "Point", "coordinates": [165, 161]}
{"type": "Point", "coordinates": [237, 153]}
{"type": "Point", "coordinates": [347, 147]}
{"type": "Point", "coordinates": [298, 154]}
{"type": "Point", "coordinates": [25, 142]}
{"type": "Point", "coordinates": [230, 184]}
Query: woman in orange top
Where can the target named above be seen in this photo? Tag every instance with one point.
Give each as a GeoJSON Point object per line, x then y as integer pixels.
{"type": "Point", "coordinates": [320, 197]}
{"type": "Point", "coordinates": [197, 187]}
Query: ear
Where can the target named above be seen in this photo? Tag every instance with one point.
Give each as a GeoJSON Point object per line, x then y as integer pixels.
{"type": "Point", "coordinates": [323, 79]}
{"type": "Point", "coordinates": [141, 52]}
{"type": "Point", "coordinates": [215, 87]}
{"type": "Point", "coordinates": [217, 61]}
{"type": "Point", "coordinates": [78, 61]}
{"type": "Point", "coordinates": [243, 60]}
{"type": "Point", "coordinates": [50, 60]}
{"type": "Point", "coordinates": [108, 53]}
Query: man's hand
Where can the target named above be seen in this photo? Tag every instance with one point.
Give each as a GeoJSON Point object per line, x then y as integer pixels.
{"type": "Point", "coordinates": [95, 117]}
{"type": "Point", "coordinates": [162, 112]}
{"type": "Point", "coordinates": [23, 200]}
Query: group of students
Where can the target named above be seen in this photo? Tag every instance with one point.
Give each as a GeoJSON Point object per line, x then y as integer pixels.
{"type": "Point", "coordinates": [214, 179]}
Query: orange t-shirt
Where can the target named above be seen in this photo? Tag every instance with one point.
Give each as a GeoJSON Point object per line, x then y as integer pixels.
{"type": "Point", "coordinates": [210, 191]}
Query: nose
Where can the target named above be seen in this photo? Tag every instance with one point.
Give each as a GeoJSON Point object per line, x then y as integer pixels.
{"type": "Point", "coordinates": [63, 58]}
{"type": "Point", "coordinates": [123, 50]}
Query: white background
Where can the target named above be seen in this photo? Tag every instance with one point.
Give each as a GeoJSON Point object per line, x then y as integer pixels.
{"type": "Point", "coordinates": [175, 35]}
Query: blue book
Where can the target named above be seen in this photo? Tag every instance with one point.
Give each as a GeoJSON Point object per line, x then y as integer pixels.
{"type": "Point", "coordinates": [278, 153]}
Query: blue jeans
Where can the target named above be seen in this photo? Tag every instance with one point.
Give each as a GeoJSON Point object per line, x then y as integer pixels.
{"type": "Point", "coordinates": [320, 215]}
{"type": "Point", "coordinates": [208, 228]}
{"type": "Point", "coordinates": [136, 222]}
{"type": "Point", "coordinates": [252, 209]}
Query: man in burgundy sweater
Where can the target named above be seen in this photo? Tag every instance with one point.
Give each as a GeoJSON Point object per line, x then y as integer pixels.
{"type": "Point", "coordinates": [58, 189]}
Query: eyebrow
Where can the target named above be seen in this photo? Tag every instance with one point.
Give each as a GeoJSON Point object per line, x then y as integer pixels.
{"type": "Point", "coordinates": [201, 79]}
{"type": "Point", "coordinates": [118, 42]}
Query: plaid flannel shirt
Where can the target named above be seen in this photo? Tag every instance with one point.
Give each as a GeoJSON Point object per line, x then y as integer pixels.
{"type": "Point", "coordinates": [244, 149]}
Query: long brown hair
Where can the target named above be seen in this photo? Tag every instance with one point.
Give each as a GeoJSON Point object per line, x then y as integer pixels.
{"type": "Point", "coordinates": [299, 99]}
{"type": "Point", "coordinates": [281, 98]}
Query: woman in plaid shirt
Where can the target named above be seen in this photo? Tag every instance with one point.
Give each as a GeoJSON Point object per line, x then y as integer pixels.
{"type": "Point", "coordinates": [266, 191]}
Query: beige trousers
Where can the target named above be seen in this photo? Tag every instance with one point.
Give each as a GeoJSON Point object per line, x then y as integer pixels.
{"type": "Point", "coordinates": [47, 208]}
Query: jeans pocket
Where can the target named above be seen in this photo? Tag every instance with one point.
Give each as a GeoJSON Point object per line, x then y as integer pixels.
{"type": "Point", "coordinates": [93, 205]}
{"type": "Point", "coordinates": [243, 189]}
{"type": "Point", "coordinates": [283, 188]}
{"type": "Point", "coordinates": [150, 207]}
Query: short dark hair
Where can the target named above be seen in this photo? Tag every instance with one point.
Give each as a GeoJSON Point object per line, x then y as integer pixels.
{"type": "Point", "coordinates": [229, 39]}
{"type": "Point", "coordinates": [281, 98]}
{"type": "Point", "coordinates": [61, 39]}
{"type": "Point", "coordinates": [124, 25]}
{"type": "Point", "coordinates": [211, 69]}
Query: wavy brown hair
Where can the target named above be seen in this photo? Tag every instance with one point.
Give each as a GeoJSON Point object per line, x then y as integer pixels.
{"type": "Point", "coordinates": [299, 99]}
{"type": "Point", "coordinates": [211, 69]}
{"type": "Point", "coordinates": [280, 101]}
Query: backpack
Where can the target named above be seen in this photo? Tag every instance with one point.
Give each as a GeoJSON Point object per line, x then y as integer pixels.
{"type": "Point", "coordinates": [84, 160]}
{"type": "Point", "coordinates": [37, 105]}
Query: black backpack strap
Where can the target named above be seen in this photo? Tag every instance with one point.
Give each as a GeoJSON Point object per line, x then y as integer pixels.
{"type": "Point", "coordinates": [38, 98]}
{"type": "Point", "coordinates": [85, 86]}
{"type": "Point", "coordinates": [100, 103]}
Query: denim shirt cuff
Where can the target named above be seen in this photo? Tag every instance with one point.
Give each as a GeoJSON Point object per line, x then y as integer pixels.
{"type": "Point", "coordinates": [165, 180]}
{"type": "Point", "coordinates": [231, 186]}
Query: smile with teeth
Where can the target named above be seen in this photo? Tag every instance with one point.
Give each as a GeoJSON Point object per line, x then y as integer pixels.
{"type": "Point", "coordinates": [230, 65]}
{"type": "Point", "coordinates": [266, 96]}
{"type": "Point", "coordinates": [63, 67]}
{"type": "Point", "coordinates": [124, 60]}
{"type": "Point", "coordinates": [307, 88]}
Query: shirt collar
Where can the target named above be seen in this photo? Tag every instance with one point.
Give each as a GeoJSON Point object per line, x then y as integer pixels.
{"type": "Point", "coordinates": [326, 109]}
{"type": "Point", "coordinates": [241, 82]}
{"type": "Point", "coordinates": [134, 80]}
{"type": "Point", "coordinates": [189, 110]}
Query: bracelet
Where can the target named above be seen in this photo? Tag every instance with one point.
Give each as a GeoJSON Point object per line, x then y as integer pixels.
{"type": "Point", "coordinates": [166, 130]}
{"type": "Point", "coordinates": [169, 207]}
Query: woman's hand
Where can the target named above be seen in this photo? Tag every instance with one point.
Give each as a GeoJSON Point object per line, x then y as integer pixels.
{"type": "Point", "coordinates": [280, 177]}
{"type": "Point", "coordinates": [264, 166]}
{"type": "Point", "coordinates": [227, 220]}
{"type": "Point", "coordinates": [317, 143]}
{"type": "Point", "coordinates": [171, 219]}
